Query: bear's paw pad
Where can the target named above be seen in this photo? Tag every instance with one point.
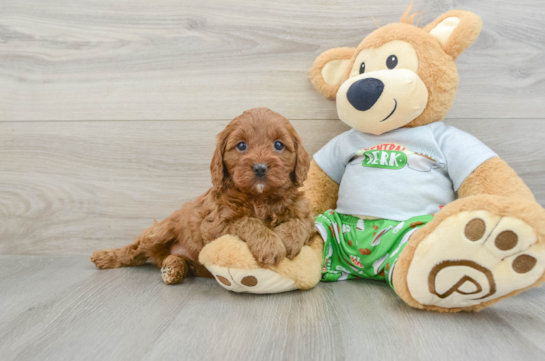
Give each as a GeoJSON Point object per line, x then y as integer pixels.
{"type": "Point", "coordinates": [474, 257]}
{"type": "Point", "coordinates": [251, 280]}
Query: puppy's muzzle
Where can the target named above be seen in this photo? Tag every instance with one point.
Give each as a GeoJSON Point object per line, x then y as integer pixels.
{"type": "Point", "coordinates": [260, 170]}
{"type": "Point", "coordinates": [364, 93]}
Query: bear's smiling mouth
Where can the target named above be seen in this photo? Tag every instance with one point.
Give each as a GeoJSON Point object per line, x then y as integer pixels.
{"type": "Point", "coordinates": [395, 107]}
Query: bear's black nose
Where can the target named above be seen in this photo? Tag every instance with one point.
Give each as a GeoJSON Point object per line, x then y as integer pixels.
{"type": "Point", "coordinates": [364, 93]}
{"type": "Point", "coordinates": [260, 169]}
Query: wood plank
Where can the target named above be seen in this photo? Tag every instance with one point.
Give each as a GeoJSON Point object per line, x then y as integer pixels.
{"type": "Point", "coordinates": [128, 314]}
{"type": "Point", "coordinates": [75, 187]}
{"type": "Point", "coordinates": [48, 276]}
{"type": "Point", "coordinates": [527, 324]}
{"type": "Point", "coordinates": [429, 336]}
{"type": "Point", "coordinates": [102, 309]}
{"type": "Point", "coordinates": [170, 59]}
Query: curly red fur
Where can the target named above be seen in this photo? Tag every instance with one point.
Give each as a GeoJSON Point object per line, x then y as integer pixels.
{"type": "Point", "coordinates": [269, 213]}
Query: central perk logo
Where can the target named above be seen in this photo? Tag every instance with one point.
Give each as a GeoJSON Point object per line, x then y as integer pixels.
{"type": "Point", "coordinates": [389, 159]}
{"type": "Point", "coordinates": [395, 156]}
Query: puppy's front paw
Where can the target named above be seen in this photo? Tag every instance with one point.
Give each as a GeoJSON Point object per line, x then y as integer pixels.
{"type": "Point", "coordinates": [294, 234]}
{"type": "Point", "coordinates": [174, 270]}
{"type": "Point", "coordinates": [268, 251]}
{"type": "Point", "coordinates": [293, 248]}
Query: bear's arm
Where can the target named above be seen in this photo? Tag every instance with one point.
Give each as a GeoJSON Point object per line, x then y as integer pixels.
{"type": "Point", "coordinates": [320, 190]}
{"type": "Point", "coordinates": [495, 177]}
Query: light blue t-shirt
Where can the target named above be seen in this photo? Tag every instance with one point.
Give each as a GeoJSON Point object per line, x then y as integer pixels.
{"type": "Point", "coordinates": [403, 173]}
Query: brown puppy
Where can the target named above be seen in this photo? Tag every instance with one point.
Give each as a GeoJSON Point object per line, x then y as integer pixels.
{"type": "Point", "coordinates": [258, 164]}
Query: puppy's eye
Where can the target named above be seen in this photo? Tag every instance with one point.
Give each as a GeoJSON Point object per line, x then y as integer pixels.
{"type": "Point", "coordinates": [362, 68]}
{"type": "Point", "coordinates": [242, 146]}
{"type": "Point", "coordinates": [278, 145]}
{"type": "Point", "coordinates": [391, 62]}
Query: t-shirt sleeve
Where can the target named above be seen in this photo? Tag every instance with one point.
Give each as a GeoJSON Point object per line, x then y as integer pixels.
{"type": "Point", "coordinates": [330, 158]}
{"type": "Point", "coordinates": [463, 152]}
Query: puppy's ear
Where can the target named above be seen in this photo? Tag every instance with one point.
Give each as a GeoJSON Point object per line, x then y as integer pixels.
{"type": "Point", "coordinates": [217, 168]}
{"type": "Point", "coordinates": [456, 30]}
{"type": "Point", "coordinates": [302, 160]}
{"type": "Point", "coordinates": [330, 70]}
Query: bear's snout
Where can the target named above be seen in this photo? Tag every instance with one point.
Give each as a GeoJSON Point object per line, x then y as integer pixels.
{"type": "Point", "coordinates": [364, 93]}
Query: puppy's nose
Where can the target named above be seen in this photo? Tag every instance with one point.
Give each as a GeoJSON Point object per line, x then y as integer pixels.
{"type": "Point", "coordinates": [260, 169]}
{"type": "Point", "coordinates": [364, 93]}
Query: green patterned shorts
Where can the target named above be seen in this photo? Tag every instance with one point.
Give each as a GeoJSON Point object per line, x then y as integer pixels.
{"type": "Point", "coordinates": [358, 248]}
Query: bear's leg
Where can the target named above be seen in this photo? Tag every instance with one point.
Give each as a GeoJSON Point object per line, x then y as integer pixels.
{"type": "Point", "coordinates": [477, 251]}
{"type": "Point", "coordinates": [235, 268]}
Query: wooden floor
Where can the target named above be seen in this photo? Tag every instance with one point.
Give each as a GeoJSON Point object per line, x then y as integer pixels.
{"type": "Point", "coordinates": [61, 308]}
{"type": "Point", "coordinates": [108, 113]}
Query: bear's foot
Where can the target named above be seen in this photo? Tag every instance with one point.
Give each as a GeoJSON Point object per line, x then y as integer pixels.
{"type": "Point", "coordinates": [251, 280]}
{"type": "Point", "coordinates": [472, 259]}
{"type": "Point", "coordinates": [230, 261]}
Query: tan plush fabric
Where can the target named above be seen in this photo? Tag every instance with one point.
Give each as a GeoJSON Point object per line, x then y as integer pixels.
{"type": "Point", "coordinates": [333, 71]}
{"type": "Point", "coordinates": [320, 190]}
{"type": "Point", "coordinates": [528, 211]}
{"type": "Point", "coordinates": [485, 188]}
{"type": "Point", "coordinates": [493, 187]}
{"type": "Point", "coordinates": [329, 90]}
{"type": "Point", "coordinates": [436, 66]}
{"type": "Point", "coordinates": [230, 252]}
{"type": "Point", "coordinates": [399, 84]}
{"type": "Point", "coordinates": [495, 176]}
{"type": "Point", "coordinates": [465, 33]}
{"type": "Point", "coordinates": [474, 257]}
{"type": "Point", "coordinates": [444, 29]}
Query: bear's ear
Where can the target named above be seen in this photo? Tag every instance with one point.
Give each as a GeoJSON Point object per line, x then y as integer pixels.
{"type": "Point", "coordinates": [456, 30]}
{"type": "Point", "coordinates": [330, 70]}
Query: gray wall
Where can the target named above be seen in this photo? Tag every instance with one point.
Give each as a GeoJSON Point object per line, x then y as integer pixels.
{"type": "Point", "coordinates": [109, 109]}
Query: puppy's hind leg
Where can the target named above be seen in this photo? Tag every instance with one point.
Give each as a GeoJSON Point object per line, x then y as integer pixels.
{"type": "Point", "coordinates": [152, 243]}
{"type": "Point", "coordinates": [127, 256]}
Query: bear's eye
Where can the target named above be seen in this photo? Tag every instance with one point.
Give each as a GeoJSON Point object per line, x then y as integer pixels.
{"type": "Point", "coordinates": [391, 62]}
{"type": "Point", "coordinates": [362, 68]}
{"type": "Point", "coordinates": [241, 147]}
{"type": "Point", "coordinates": [278, 145]}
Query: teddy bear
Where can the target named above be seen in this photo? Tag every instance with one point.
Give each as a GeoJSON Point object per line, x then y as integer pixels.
{"type": "Point", "coordinates": [402, 197]}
